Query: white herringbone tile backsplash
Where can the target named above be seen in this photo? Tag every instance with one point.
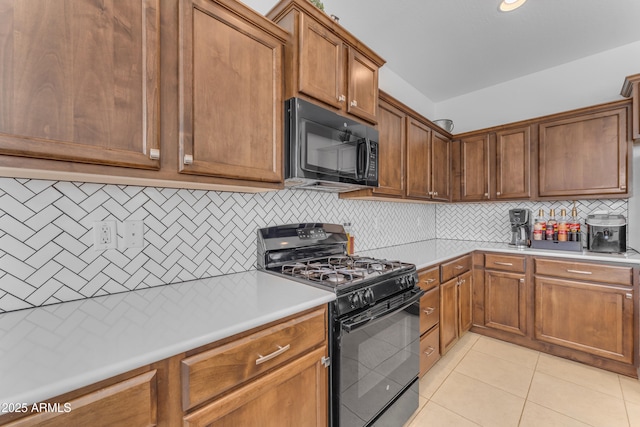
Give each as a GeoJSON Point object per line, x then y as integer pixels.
{"type": "Point", "coordinates": [489, 222]}
{"type": "Point", "coordinates": [46, 234]}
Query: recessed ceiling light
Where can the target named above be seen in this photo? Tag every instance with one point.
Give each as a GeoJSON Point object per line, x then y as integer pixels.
{"type": "Point", "coordinates": [509, 5]}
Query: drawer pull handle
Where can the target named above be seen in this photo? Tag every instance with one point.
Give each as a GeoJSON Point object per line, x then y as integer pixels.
{"type": "Point", "coordinates": [279, 351]}
{"type": "Point", "coordinates": [579, 271]}
{"type": "Point", "coordinates": [508, 264]}
{"type": "Point", "coordinates": [429, 310]}
{"type": "Point", "coordinates": [429, 281]}
{"type": "Point", "coordinates": [459, 267]}
{"type": "Point", "coordinates": [429, 351]}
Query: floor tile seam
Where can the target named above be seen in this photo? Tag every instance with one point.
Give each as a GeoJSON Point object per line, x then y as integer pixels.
{"type": "Point", "coordinates": [491, 385]}
{"type": "Point", "coordinates": [526, 398]}
{"type": "Point", "coordinates": [557, 412]}
{"type": "Point", "coordinates": [619, 397]}
{"type": "Point", "coordinates": [453, 412]}
{"type": "Point", "coordinates": [519, 365]}
{"type": "Point", "coordinates": [624, 402]}
{"type": "Point", "coordinates": [585, 388]}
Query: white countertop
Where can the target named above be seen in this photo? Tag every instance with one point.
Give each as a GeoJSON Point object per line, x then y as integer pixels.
{"type": "Point", "coordinates": [429, 252]}
{"type": "Point", "coordinates": [51, 350]}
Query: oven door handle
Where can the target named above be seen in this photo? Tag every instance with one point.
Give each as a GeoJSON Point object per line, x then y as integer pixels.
{"type": "Point", "coordinates": [348, 326]}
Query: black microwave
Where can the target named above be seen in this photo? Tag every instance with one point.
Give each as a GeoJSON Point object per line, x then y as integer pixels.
{"type": "Point", "coordinates": [326, 151]}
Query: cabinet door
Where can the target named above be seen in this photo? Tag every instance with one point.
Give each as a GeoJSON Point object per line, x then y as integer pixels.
{"type": "Point", "coordinates": [592, 318]}
{"type": "Point", "coordinates": [230, 130]}
{"type": "Point", "coordinates": [505, 301]}
{"type": "Point", "coordinates": [448, 314]}
{"type": "Point", "coordinates": [513, 169]}
{"type": "Point", "coordinates": [474, 153]}
{"type": "Point", "coordinates": [362, 99]}
{"type": "Point", "coordinates": [584, 155]}
{"type": "Point", "coordinates": [294, 395]}
{"type": "Point", "coordinates": [132, 402]}
{"type": "Point", "coordinates": [81, 81]}
{"type": "Point", "coordinates": [429, 309]}
{"type": "Point", "coordinates": [321, 63]}
{"type": "Point", "coordinates": [391, 128]}
{"type": "Point", "coordinates": [418, 159]}
{"type": "Point", "coordinates": [465, 302]}
{"type": "Point", "coordinates": [440, 167]}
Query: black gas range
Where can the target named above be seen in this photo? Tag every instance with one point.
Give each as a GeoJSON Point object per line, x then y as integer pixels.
{"type": "Point", "coordinates": [374, 330]}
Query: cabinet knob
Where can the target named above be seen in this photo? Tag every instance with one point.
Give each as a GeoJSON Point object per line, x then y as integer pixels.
{"type": "Point", "coordinates": [354, 103]}
{"type": "Point", "coordinates": [342, 98]}
{"type": "Point", "coordinates": [623, 187]}
{"type": "Point", "coordinates": [498, 193]}
{"type": "Point", "coordinates": [521, 280]}
{"type": "Point", "coordinates": [430, 193]}
{"type": "Point", "coordinates": [486, 195]}
{"type": "Point", "coordinates": [154, 154]}
{"type": "Point", "coordinates": [188, 159]}
{"type": "Point", "coordinates": [435, 193]}
{"type": "Point", "coordinates": [628, 296]}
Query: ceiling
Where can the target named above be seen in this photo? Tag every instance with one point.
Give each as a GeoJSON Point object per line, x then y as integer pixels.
{"type": "Point", "coordinates": [447, 48]}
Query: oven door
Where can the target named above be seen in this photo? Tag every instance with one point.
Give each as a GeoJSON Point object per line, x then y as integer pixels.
{"type": "Point", "coordinates": [376, 364]}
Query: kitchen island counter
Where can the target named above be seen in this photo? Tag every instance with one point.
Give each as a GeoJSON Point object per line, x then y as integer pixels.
{"type": "Point", "coordinates": [51, 350]}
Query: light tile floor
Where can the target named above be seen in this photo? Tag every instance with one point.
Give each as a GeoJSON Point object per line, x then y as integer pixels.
{"type": "Point", "coordinates": [486, 382]}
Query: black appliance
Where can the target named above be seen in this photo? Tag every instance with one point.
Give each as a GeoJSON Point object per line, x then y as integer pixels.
{"type": "Point", "coordinates": [520, 220]}
{"type": "Point", "coordinates": [326, 151]}
{"type": "Point", "coordinates": [374, 334]}
{"type": "Point", "coordinates": [606, 233]}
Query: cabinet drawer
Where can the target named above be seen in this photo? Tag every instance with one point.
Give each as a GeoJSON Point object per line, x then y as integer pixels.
{"type": "Point", "coordinates": [131, 402]}
{"type": "Point", "coordinates": [455, 268]}
{"type": "Point", "coordinates": [504, 262]}
{"type": "Point", "coordinates": [429, 309]}
{"type": "Point", "coordinates": [212, 372]}
{"type": "Point", "coordinates": [429, 278]}
{"type": "Point", "coordinates": [429, 350]}
{"type": "Point", "coordinates": [618, 275]}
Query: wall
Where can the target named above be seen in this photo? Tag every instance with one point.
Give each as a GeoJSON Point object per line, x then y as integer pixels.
{"type": "Point", "coordinates": [577, 84]}
{"type": "Point", "coordinates": [46, 234]}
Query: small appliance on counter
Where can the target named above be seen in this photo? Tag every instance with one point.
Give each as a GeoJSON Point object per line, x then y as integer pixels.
{"type": "Point", "coordinates": [606, 233]}
{"type": "Point", "coordinates": [520, 220]}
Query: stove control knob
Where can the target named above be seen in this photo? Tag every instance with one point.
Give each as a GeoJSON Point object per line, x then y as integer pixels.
{"type": "Point", "coordinates": [357, 299]}
{"type": "Point", "coordinates": [411, 280]}
{"type": "Point", "coordinates": [369, 298]}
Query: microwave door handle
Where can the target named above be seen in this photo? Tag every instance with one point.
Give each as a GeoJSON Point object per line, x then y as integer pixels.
{"type": "Point", "coordinates": [360, 164]}
{"type": "Point", "coordinates": [366, 170]}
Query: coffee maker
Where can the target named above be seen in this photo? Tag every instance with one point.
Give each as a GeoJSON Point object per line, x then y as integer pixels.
{"type": "Point", "coordinates": [520, 220]}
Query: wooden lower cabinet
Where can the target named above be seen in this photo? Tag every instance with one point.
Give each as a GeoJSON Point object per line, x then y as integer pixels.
{"type": "Point", "coordinates": [456, 305]}
{"type": "Point", "coordinates": [429, 350]}
{"type": "Point", "coordinates": [429, 281]}
{"type": "Point", "coordinates": [129, 403]}
{"type": "Point", "coordinates": [589, 317]}
{"type": "Point", "coordinates": [294, 395]}
{"type": "Point", "coordinates": [505, 301]}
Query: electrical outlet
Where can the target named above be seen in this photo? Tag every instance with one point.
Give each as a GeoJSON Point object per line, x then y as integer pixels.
{"type": "Point", "coordinates": [134, 234]}
{"type": "Point", "coordinates": [104, 235]}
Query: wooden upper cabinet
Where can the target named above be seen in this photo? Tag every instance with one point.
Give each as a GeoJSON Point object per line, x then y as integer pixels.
{"type": "Point", "coordinates": [584, 155]}
{"type": "Point", "coordinates": [418, 159]}
{"type": "Point", "coordinates": [81, 82]}
{"type": "Point", "coordinates": [474, 169]}
{"type": "Point", "coordinates": [440, 167]}
{"type": "Point", "coordinates": [513, 163]}
{"type": "Point", "coordinates": [231, 93]}
{"type": "Point", "coordinates": [391, 150]}
{"type": "Point", "coordinates": [320, 66]}
{"type": "Point", "coordinates": [362, 99]}
{"type": "Point", "coordinates": [326, 63]}
{"type": "Point", "coordinates": [631, 88]}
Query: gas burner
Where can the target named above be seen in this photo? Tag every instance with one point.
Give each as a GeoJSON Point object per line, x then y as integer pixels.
{"type": "Point", "coordinates": [332, 277]}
